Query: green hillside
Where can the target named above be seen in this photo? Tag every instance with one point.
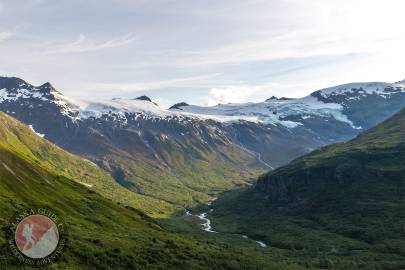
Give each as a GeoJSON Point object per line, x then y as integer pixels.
{"type": "Point", "coordinates": [183, 181]}
{"type": "Point", "coordinates": [155, 160]}
{"type": "Point", "coordinates": [101, 234]}
{"type": "Point", "coordinates": [340, 207]}
{"type": "Point", "coordinates": [18, 138]}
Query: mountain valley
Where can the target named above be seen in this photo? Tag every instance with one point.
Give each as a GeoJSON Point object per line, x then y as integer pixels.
{"type": "Point", "coordinates": [183, 156]}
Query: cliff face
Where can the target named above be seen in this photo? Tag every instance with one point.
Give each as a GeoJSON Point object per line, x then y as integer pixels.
{"type": "Point", "coordinates": [370, 166]}
{"type": "Point", "coordinates": [344, 179]}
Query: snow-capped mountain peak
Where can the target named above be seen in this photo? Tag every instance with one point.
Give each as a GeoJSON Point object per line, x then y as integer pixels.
{"type": "Point", "coordinates": [12, 89]}
{"type": "Point", "coordinates": [379, 88]}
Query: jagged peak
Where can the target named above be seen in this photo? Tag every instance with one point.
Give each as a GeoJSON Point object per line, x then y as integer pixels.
{"type": "Point", "coordinates": [179, 105]}
{"type": "Point", "coordinates": [12, 82]}
{"type": "Point", "coordinates": [272, 98]}
{"type": "Point", "coordinates": [15, 83]}
{"type": "Point", "coordinates": [276, 98]}
{"type": "Point", "coordinates": [144, 97]}
{"type": "Point", "coordinates": [49, 87]}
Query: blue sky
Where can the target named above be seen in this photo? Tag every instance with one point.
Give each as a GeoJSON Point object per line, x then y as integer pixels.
{"type": "Point", "coordinates": [202, 52]}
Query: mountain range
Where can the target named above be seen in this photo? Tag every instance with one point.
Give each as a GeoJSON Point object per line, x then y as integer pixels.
{"type": "Point", "coordinates": [183, 156]}
{"type": "Point", "coordinates": [121, 173]}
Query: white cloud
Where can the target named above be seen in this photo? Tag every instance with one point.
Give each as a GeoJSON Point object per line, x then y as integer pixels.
{"type": "Point", "coordinates": [150, 85]}
{"type": "Point", "coordinates": [231, 94]}
{"type": "Point", "coordinates": [302, 44]}
{"type": "Point", "coordinates": [258, 93]}
{"type": "Point", "coordinates": [6, 35]}
{"type": "Point", "coordinates": [83, 45]}
{"type": "Point", "coordinates": [326, 28]}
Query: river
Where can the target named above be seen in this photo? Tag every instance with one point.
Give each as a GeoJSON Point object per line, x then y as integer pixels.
{"type": "Point", "coordinates": [207, 227]}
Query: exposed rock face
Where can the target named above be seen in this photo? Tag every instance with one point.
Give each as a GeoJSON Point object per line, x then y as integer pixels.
{"type": "Point", "coordinates": [178, 106]}
{"type": "Point", "coordinates": [146, 98]}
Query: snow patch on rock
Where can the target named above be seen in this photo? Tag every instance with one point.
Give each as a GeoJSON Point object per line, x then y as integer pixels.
{"type": "Point", "coordinates": [39, 134]}
{"type": "Point", "coordinates": [379, 88]}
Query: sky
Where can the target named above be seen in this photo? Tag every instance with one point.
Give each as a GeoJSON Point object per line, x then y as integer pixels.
{"type": "Point", "coordinates": [202, 52]}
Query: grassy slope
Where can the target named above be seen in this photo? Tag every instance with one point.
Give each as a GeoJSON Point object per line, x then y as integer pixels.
{"type": "Point", "coordinates": [187, 184]}
{"type": "Point", "coordinates": [18, 137]}
{"type": "Point", "coordinates": [101, 234]}
{"type": "Point", "coordinates": [183, 179]}
{"type": "Point", "coordinates": [340, 207]}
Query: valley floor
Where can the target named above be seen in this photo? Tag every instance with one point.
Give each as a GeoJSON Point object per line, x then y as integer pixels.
{"type": "Point", "coordinates": [303, 243]}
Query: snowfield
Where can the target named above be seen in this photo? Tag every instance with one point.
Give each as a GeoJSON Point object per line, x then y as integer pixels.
{"type": "Point", "coordinates": [271, 112]}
